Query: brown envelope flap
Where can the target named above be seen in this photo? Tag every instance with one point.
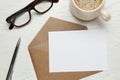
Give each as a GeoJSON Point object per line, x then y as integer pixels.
{"type": "Point", "coordinates": [40, 55]}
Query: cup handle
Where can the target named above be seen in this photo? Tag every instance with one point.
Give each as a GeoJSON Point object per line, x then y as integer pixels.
{"type": "Point", "coordinates": [105, 15]}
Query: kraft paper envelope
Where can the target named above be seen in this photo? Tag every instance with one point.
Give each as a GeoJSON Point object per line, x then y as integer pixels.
{"type": "Point", "coordinates": [39, 53]}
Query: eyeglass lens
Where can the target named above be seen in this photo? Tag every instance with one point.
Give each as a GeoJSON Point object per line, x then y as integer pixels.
{"type": "Point", "coordinates": [22, 19]}
{"type": "Point", "coordinates": [43, 6]}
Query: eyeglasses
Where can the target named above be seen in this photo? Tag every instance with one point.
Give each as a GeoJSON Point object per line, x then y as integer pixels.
{"type": "Point", "coordinates": [23, 16]}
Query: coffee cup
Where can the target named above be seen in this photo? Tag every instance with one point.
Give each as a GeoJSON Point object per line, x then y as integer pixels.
{"type": "Point", "coordinates": [89, 9]}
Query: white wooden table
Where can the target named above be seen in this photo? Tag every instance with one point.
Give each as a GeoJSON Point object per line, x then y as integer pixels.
{"type": "Point", "coordinates": [24, 70]}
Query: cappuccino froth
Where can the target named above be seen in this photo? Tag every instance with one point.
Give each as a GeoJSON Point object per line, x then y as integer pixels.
{"type": "Point", "coordinates": [88, 4]}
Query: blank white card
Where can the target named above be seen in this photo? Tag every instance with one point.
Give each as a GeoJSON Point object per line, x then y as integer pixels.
{"type": "Point", "coordinates": [81, 50]}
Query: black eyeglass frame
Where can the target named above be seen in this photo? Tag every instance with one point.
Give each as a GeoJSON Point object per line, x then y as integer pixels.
{"type": "Point", "coordinates": [11, 19]}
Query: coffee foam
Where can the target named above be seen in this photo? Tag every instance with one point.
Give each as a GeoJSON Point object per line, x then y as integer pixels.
{"type": "Point", "coordinates": [88, 4]}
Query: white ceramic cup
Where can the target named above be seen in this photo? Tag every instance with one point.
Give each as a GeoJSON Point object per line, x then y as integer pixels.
{"type": "Point", "coordinates": [91, 14]}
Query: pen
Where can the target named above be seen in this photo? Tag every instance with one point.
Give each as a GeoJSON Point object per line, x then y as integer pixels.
{"type": "Point", "coordinates": [10, 71]}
